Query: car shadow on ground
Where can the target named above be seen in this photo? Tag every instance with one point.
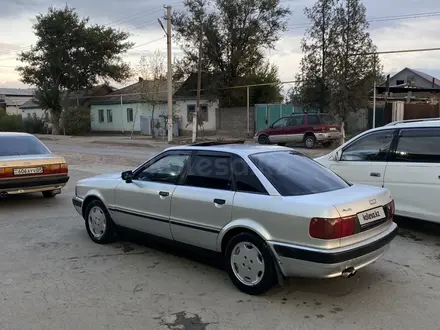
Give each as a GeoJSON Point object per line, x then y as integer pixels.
{"type": "Point", "coordinates": [410, 227]}
{"type": "Point", "coordinates": [291, 289]}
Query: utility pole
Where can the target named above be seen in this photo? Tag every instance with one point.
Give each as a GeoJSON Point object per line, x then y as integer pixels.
{"type": "Point", "coordinates": [169, 75]}
{"type": "Point", "coordinates": [199, 86]}
{"type": "Point", "coordinates": [374, 91]}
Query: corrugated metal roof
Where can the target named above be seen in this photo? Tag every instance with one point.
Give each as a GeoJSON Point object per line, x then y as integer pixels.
{"type": "Point", "coordinates": [145, 86]}
{"type": "Point", "coordinates": [426, 76]}
{"type": "Point", "coordinates": [17, 91]}
{"type": "Point", "coordinates": [30, 104]}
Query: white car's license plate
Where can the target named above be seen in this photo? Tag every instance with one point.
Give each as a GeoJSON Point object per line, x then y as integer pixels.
{"type": "Point", "coordinates": [333, 129]}
{"type": "Point", "coordinates": [28, 171]}
{"type": "Point", "coordinates": [372, 215]}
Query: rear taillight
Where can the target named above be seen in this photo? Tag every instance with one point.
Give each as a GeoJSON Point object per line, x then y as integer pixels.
{"type": "Point", "coordinates": [56, 169]}
{"type": "Point", "coordinates": [392, 208]}
{"type": "Point", "coordinates": [323, 228]}
{"type": "Point", "coordinates": [6, 172]}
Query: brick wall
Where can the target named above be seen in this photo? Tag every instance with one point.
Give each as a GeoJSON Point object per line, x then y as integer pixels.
{"type": "Point", "coordinates": [233, 121]}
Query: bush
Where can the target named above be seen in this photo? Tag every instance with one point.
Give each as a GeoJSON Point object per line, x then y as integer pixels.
{"type": "Point", "coordinates": [34, 125]}
{"type": "Point", "coordinates": [75, 120]}
{"type": "Point", "coordinates": [15, 123]}
{"type": "Point", "coordinates": [11, 123]}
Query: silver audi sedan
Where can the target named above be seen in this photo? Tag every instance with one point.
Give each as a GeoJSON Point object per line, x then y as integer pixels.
{"type": "Point", "coordinates": [270, 211]}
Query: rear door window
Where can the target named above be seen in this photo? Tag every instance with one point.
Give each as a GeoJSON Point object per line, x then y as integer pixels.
{"type": "Point", "coordinates": [210, 170]}
{"type": "Point", "coordinates": [296, 120]}
{"type": "Point", "coordinates": [21, 145]}
{"type": "Point", "coordinates": [245, 179]}
{"type": "Point", "coordinates": [418, 145]}
{"type": "Point", "coordinates": [293, 174]}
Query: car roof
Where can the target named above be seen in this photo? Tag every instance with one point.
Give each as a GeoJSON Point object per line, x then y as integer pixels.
{"type": "Point", "coordinates": [14, 134]}
{"type": "Point", "coordinates": [238, 149]}
{"type": "Point", "coordinates": [412, 123]}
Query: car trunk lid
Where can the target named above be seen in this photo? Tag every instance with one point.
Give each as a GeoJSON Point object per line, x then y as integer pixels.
{"type": "Point", "coordinates": [14, 167]}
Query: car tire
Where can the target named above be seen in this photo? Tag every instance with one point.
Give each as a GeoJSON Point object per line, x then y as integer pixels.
{"type": "Point", "coordinates": [310, 141]}
{"type": "Point", "coordinates": [49, 194]}
{"type": "Point", "coordinates": [263, 139]}
{"type": "Point", "coordinates": [99, 224]}
{"type": "Point", "coordinates": [257, 263]}
{"type": "Point", "coordinates": [282, 144]}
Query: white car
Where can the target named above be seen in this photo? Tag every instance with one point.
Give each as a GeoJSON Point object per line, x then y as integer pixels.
{"type": "Point", "coordinates": [403, 157]}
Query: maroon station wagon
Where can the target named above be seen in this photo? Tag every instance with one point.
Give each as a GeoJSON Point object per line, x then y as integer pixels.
{"type": "Point", "coordinates": [309, 129]}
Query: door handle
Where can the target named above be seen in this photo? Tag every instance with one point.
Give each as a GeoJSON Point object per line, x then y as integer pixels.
{"type": "Point", "coordinates": [375, 174]}
{"type": "Point", "coordinates": [219, 201]}
{"type": "Point", "coordinates": [164, 193]}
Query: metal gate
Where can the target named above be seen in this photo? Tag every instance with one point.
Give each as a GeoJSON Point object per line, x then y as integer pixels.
{"type": "Point", "coordinates": [266, 114]}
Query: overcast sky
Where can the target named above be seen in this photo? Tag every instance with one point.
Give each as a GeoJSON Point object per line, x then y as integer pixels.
{"type": "Point", "coordinates": [140, 19]}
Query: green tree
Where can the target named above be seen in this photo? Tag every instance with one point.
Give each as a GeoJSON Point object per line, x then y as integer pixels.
{"type": "Point", "coordinates": [71, 55]}
{"type": "Point", "coordinates": [236, 34]}
{"type": "Point", "coordinates": [153, 73]}
{"type": "Point", "coordinates": [316, 66]}
{"type": "Point", "coordinates": [332, 77]}
{"type": "Point", "coordinates": [354, 74]}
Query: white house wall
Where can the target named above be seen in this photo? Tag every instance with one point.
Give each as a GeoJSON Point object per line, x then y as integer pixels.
{"type": "Point", "coordinates": [40, 113]}
{"type": "Point", "coordinates": [182, 107]}
{"type": "Point", "coordinates": [120, 123]}
{"type": "Point", "coordinates": [14, 102]}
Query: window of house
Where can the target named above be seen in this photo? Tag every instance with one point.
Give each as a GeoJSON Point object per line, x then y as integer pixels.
{"type": "Point", "coordinates": [210, 171]}
{"type": "Point", "coordinates": [101, 116]}
{"type": "Point", "coordinates": [418, 145]}
{"type": "Point", "coordinates": [109, 116]}
{"type": "Point", "coordinates": [191, 109]}
{"type": "Point", "coordinates": [129, 115]}
{"type": "Point", "coordinates": [400, 82]}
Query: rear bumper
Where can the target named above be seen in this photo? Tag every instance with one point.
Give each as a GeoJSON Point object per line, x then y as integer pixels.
{"type": "Point", "coordinates": [331, 136]}
{"type": "Point", "coordinates": [30, 185]}
{"type": "Point", "coordinates": [77, 203]}
{"type": "Point", "coordinates": [309, 262]}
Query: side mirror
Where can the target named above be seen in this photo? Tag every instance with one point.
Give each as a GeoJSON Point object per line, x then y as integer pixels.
{"type": "Point", "coordinates": [338, 155]}
{"type": "Point", "coordinates": [127, 176]}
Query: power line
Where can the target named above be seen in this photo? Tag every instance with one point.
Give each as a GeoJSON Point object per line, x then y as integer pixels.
{"type": "Point", "coordinates": [377, 19]}
{"type": "Point", "coordinates": [112, 24]}
{"type": "Point", "coordinates": [416, 50]}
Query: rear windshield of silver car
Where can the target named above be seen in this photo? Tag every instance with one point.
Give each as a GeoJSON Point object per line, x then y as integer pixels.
{"type": "Point", "coordinates": [21, 145]}
{"type": "Point", "coordinates": [294, 174]}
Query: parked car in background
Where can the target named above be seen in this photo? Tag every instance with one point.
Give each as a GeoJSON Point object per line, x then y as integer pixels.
{"type": "Point", "coordinates": [403, 157]}
{"type": "Point", "coordinates": [28, 166]}
{"type": "Point", "coordinates": [309, 128]}
{"type": "Point", "coordinates": [269, 211]}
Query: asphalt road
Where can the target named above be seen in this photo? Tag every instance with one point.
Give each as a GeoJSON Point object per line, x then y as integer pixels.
{"type": "Point", "coordinates": [52, 276]}
{"type": "Point", "coordinates": [135, 153]}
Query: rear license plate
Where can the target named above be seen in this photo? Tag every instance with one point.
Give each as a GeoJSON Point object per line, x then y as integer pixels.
{"type": "Point", "coordinates": [28, 171]}
{"type": "Point", "coordinates": [371, 215]}
{"type": "Point", "coordinates": [332, 129]}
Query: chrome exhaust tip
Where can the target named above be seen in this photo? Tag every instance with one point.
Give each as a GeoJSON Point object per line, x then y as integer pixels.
{"type": "Point", "coordinates": [349, 272]}
{"type": "Point", "coordinates": [3, 195]}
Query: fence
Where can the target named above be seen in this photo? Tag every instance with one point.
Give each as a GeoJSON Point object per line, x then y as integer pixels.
{"type": "Point", "coordinates": [234, 121]}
